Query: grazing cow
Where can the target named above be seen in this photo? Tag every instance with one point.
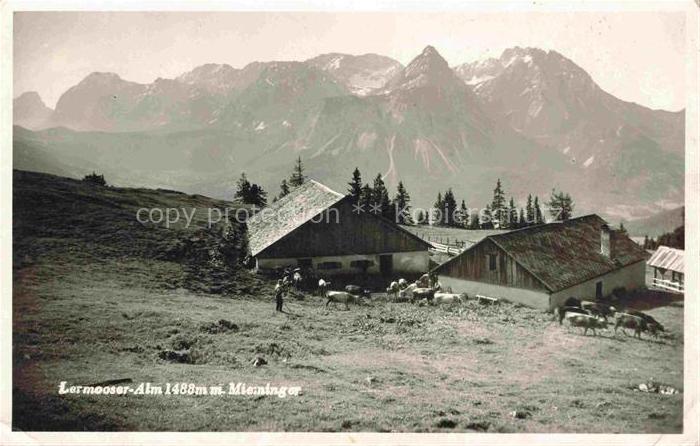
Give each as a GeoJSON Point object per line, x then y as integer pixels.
{"type": "Point", "coordinates": [403, 284]}
{"type": "Point", "coordinates": [423, 293]}
{"type": "Point", "coordinates": [586, 321]}
{"type": "Point", "coordinates": [323, 286]}
{"type": "Point", "coordinates": [630, 321]}
{"type": "Point", "coordinates": [393, 289]}
{"type": "Point", "coordinates": [447, 298]}
{"type": "Point", "coordinates": [560, 312]}
{"type": "Point", "coordinates": [342, 297]}
{"type": "Point", "coordinates": [357, 290]}
{"type": "Point", "coordinates": [649, 320]}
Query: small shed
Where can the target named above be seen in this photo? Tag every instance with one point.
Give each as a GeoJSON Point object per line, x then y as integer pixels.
{"type": "Point", "coordinates": [316, 228]}
{"type": "Point", "coordinates": [667, 264]}
{"type": "Point", "coordinates": [542, 266]}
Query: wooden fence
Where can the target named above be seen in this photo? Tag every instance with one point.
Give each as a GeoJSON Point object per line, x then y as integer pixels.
{"type": "Point", "coordinates": [668, 285]}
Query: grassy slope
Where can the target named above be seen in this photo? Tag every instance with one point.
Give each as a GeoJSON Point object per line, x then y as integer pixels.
{"type": "Point", "coordinates": [84, 318]}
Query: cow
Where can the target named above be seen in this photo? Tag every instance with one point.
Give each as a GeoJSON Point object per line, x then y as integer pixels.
{"type": "Point", "coordinates": [560, 312]}
{"type": "Point", "coordinates": [423, 281]}
{"type": "Point", "coordinates": [393, 289]}
{"type": "Point", "coordinates": [586, 321]}
{"type": "Point", "coordinates": [342, 297]}
{"type": "Point", "coordinates": [447, 298]}
{"type": "Point", "coordinates": [598, 309]}
{"type": "Point", "coordinates": [572, 302]}
{"type": "Point", "coordinates": [423, 293]}
{"type": "Point", "coordinates": [323, 286]}
{"type": "Point", "coordinates": [630, 321]}
{"type": "Point", "coordinates": [486, 300]}
{"type": "Point", "coordinates": [297, 280]}
{"type": "Point", "coordinates": [407, 293]}
{"type": "Point", "coordinates": [649, 320]}
{"type": "Point", "coordinates": [357, 290]}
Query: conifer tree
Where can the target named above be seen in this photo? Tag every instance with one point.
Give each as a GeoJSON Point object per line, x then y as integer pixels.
{"type": "Point", "coordinates": [297, 178]}
{"type": "Point", "coordinates": [355, 185]}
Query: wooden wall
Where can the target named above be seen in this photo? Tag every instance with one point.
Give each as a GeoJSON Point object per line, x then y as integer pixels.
{"type": "Point", "coordinates": [473, 265]}
{"type": "Point", "coordinates": [344, 232]}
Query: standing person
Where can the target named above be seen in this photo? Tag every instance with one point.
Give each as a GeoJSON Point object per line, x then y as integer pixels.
{"type": "Point", "coordinates": [279, 294]}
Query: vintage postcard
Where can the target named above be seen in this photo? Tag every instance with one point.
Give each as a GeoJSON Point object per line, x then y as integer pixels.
{"type": "Point", "coordinates": [380, 222]}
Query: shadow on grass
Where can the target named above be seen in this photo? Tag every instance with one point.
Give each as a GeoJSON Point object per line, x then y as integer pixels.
{"type": "Point", "coordinates": [52, 413]}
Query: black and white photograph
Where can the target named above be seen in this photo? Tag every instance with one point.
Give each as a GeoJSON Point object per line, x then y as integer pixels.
{"type": "Point", "coordinates": [354, 223]}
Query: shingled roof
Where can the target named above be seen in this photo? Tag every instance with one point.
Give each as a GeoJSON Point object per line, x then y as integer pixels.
{"type": "Point", "coordinates": [667, 258]}
{"type": "Point", "coordinates": [564, 254]}
{"type": "Point", "coordinates": [288, 213]}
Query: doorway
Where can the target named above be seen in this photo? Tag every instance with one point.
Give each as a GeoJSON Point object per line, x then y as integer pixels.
{"type": "Point", "coordinates": [599, 290]}
{"type": "Point", "coordinates": [386, 264]}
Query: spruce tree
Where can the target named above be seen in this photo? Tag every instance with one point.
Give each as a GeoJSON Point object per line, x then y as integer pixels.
{"type": "Point", "coordinates": [439, 206]}
{"type": "Point", "coordinates": [560, 205]}
{"type": "Point", "coordinates": [474, 221]}
{"type": "Point", "coordinates": [529, 212]}
{"type": "Point", "coordinates": [297, 178]}
{"type": "Point", "coordinates": [487, 221]}
{"type": "Point", "coordinates": [402, 206]}
{"type": "Point", "coordinates": [463, 216]}
{"type": "Point", "coordinates": [284, 189]}
{"type": "Point", "coordinates": [449, 208]}
{"type": "Point", "coordinates": [512, 215]}
{"type": "Point", "coordinates": [498, 205]}
{"type": "Point", "coordinates": [380, 198]}
{"type": "Point", "coordinates": [355, 186]}
{"type": "Point", "coordinates": [242, 189]}
{"type": "Point", "coordinates": [366, 198]}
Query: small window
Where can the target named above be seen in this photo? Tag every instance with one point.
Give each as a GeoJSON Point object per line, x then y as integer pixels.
{"type": "Point", "coordinates": [329, 265]}
{"type": "Point", "coordinates": [493, 262]}
{"type": "Point", "coordinates": [305, 263]}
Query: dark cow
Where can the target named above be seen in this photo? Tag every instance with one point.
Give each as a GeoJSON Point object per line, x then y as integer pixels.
{"type": "Point", "coordinates": [598, 309]}
{"type": "Point", "coordinates": [649, 320]}
{"type": "Point", "coordinates": [632, 322]}
{"type": "Point", "coordinates": [586, 321]}
{"type": "Point", "coordinates": [572, 302]}
{"type": "Point", "coordinates": [423, 293]}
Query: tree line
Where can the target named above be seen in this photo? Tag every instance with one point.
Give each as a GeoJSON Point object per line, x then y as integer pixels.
{"type": "Point", "coordinates": [251, 193]}
{"type": "Point", "coordinates": [375, 198]}
{"type": "Point", "coordinates": [673, 239]}
{"type": "Point", "coordinates": [499, 213]}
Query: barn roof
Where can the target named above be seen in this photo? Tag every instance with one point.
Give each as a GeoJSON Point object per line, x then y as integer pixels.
{"type": "Point", "coordinates": [667, 258]}
{"type": "Point", "coordinates": [288, 213]}
{"type": "Point", "coordinates": [563, 254]}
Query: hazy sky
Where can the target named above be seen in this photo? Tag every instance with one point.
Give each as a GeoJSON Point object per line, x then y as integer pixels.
{"type": "Point", "coordinates": [636, 56]}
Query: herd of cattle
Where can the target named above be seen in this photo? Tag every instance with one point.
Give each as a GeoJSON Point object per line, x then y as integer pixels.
{"type": "Point", "coordinates": [428, 291]}
{"type": "Point", "coordinates": [424, 291]}
{"type": "Point", "coordinates": [594, 315]}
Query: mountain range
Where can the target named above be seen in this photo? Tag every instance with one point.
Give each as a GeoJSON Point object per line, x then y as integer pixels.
{"type": "Point", "coordinates": [531, 117]}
